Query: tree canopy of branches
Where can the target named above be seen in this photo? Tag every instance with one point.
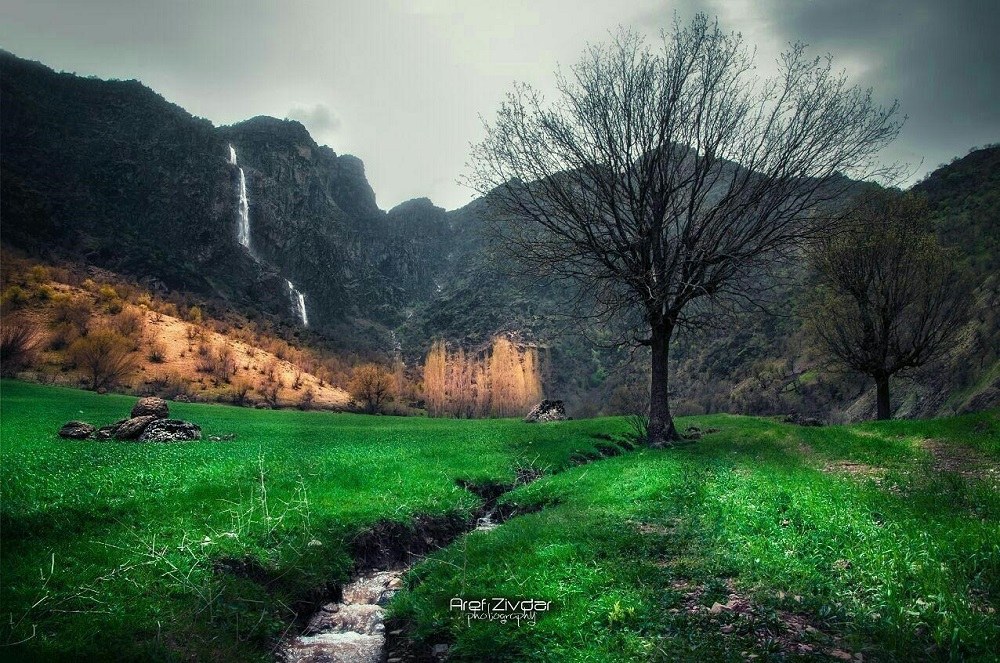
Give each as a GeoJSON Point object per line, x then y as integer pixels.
{"type": "Point", "coordinates": [890, 297]}
{"type": "Point", "coordinates": [105, 358]}
{"type": "Point", "coordinates": [371, 385]}
{"type": "Point", "coordinates": [662, 179]}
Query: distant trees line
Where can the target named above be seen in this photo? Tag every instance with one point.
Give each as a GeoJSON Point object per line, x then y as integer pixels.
{"type": "Point", "coordinates": [504, 381]}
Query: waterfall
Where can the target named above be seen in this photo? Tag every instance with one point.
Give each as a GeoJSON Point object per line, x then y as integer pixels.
{"type": "Point", "coordinates": [299, 302]}
{"type": "Point", "coordinates": [243, 207]}
{"type": "Point", "coordinates": [243, 236]}
{"type": "Point", "coordinates": [243, 230]}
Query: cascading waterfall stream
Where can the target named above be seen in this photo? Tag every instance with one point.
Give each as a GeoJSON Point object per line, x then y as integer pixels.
{"type": "Point", "coordinates": [299, 302]}
{"type": "Point", "coordinates": [243, 237]}
{"type": "Point", "coordinates": [243, 227]}
{"type": "Point", "coordinates": [243, 230]}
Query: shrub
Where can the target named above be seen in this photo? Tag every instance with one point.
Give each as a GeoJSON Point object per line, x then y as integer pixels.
{"type": "Point", "coordinates": [39, 274]}
{"type": "Point", "coordinates": [155, 352]}
{"type": "Point", "coordinates": [63, 334]}
{"type": "Point", "coordinates": [370, 387]}
{"type": "Point", "coordinates": [194, 315]}
{"type": "Point", "coordinates": [169, 384]}
{"type": "Point", "coordinates": [104, 357]}
{"type": "Point", "coordinates": [18, 345]}
{"type": "Point", "coordinates": [129, 323]}
{"type": "Point", "coordinates": [239, 392]}
{"type": "Point", "coordinates": [73, 311]}
{"type": "Point", "coordinates": [225, 364]}
{"type": "Point", "coordinates": [307, 400]}
{"type": "Point", "coordinates": [13, 298]}
{"type": "Point", "coordinates": [268, 390]}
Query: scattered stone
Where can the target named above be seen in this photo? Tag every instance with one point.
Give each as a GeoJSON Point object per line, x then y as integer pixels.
{"type": "Point", "coordinates": [440, 650]}
{"type": "Point", "coordinates": [374, 588]}
{"type": "Point", "coordinates": [169, 430]}
{"type": "Point", "coordinates": [346, 646]}
{"type": "Point", "coordinates": [222, 438]}
{"type": "Point", "coordinates": [801, 420]}
{"type": "Point", "coordinates": [547, 411]}
{"type": "Point", "coordinates": [131, 429]}
{"type": "Point", "coordinates": [76, 430]}
{"type": "Point", "coordinates": [108, 432]}
{"type": "Point", "coordinates": [151, 406]}
{"type": "Point", "coordinates": [360, 618]}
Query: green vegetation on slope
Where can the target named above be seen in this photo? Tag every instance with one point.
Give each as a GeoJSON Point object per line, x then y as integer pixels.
{"type": "Point", "coordinates": [208, 549]}
{"type": "Point", "coordinates": [853, 531]}
{"type": "Point", "coordinates": [879, 541]}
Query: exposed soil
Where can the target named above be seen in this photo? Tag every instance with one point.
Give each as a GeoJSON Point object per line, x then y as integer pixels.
{"type": "Point", "coordinates": [962, 460]}
{"type": "Point", "coordinates": [790, 633]}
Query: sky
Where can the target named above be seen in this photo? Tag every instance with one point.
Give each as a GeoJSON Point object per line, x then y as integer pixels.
{"type": "Point", "coordinates": [405, 85]}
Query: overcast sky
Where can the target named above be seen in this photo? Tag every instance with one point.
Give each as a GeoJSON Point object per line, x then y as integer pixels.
{"type": "Point", "coordinates": [402, 84]}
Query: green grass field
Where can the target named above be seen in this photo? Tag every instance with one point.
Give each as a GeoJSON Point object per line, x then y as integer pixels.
{"type": "Point", "coordinates": [847, 540]}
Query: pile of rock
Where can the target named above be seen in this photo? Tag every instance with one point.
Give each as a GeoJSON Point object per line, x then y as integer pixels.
{"type": "Point", "coordinates": [547, 411]}
{"type": "Point", "coordinates": [148, 422]}
{"type": "Point", "coordinates": [801, 420]}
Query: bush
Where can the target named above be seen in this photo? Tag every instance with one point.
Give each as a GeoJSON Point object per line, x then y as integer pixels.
{"type": "Point", "coordinates": [73, 311]}
{"type": "Point", "coordinates": [307, 400]}
{"type": "Point", "coordinates": [268, 390]}
{"type": "Point", "coordinates": [239, 392]}
{"type": "Point", "coordinates": [18, 345]}
{"type": "Point", "coordinates": [155, 352]}
{"type": "Point", "coordinates": [169, 384]}
{"type": "Point", "coordinates": [130, 323]}
{"type": "Point", "coordinates": [63, 334]}
{"type": "Point", "coordinates": [13, 298]}
{"type": "Point", "coordinates": [104, 357]}
{"type": "Point", "coordinates": [370, 387]}
{"type": "Point", "coordinates": [225, 364]}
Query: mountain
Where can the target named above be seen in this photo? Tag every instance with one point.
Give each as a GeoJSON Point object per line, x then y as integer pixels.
{"type": "Point", "coordinates": [111, 174]}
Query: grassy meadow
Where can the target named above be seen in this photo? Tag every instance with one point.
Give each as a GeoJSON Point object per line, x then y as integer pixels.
{"type": "Point", "coordinates": [761, 540]}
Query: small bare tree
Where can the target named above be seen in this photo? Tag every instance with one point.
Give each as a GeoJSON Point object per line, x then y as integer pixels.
{"type": "Point", "coordinates": [105, 357]}
{"type": "Point", "coordinates": [663, 179]}
{"type": "Point", "coordinates": [18, 345]}
{"type": "Point", "coordinates": [370, 386]}
{"type": "Point", "coordinates": [890, 296]}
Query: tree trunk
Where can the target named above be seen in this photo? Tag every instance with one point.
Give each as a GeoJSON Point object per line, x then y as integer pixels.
{"type": "Point", "coordinates": [661, 425]}
{"type": "Point", "coordinates": [882, 397]}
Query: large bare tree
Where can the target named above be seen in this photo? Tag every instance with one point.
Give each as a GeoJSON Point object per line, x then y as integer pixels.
{"type": "Point", "coordinates": [664, 178]}
{"type": "Point", "coordinates": [890, 297]}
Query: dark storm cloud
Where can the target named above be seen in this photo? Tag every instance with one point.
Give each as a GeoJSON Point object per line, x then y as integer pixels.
{"type": "Point", "coordinates": [409, 80]}
{"type": "Point", "coordinates": [940, 59]}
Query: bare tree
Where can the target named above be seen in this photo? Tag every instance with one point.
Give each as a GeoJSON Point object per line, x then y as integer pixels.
{"type": "Point", "coordinates": [890, 296]}
{"type": "Point", "coordinates": [663, 179]}
{"type": "Point", "coordinates": [370, 386]}
{"type": "Point", "coordinates": [105, 357]}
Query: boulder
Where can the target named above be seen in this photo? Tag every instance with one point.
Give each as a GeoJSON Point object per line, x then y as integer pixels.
{"type": "Point", "coordinates": [801, 420]}
{"type": "Point", "coordinates": [547, 411]}
{"type": "Point", "coordinates": [170, 430]}
{"type": "Point", "coordinates": [108, 432]}
{"type": "Point", "coordinates": [151, 406]}
{"type": "Point", "coordinates": [131, 429]}
{"type": "Point", "coordinates": [76, 430]}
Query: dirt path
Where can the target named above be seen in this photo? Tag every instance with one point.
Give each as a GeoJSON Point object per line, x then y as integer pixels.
{"type": "Point", "coordinates": [962, 460]}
